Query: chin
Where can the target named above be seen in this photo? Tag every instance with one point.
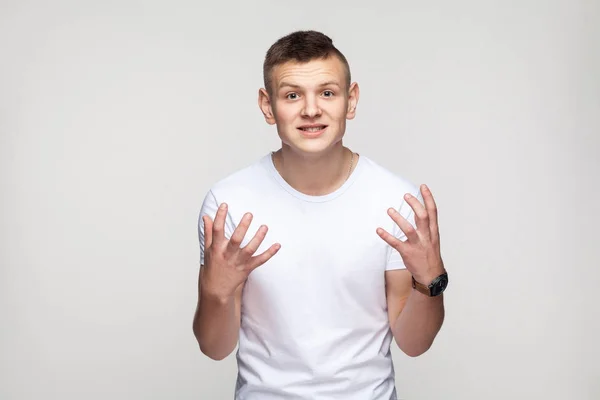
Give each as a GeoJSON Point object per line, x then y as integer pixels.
{"type": "Point", "coordinates": [313, 150]}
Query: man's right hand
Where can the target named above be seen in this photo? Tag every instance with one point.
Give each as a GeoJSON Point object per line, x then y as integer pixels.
{"type": "Point", "coordinates": [226, 265]}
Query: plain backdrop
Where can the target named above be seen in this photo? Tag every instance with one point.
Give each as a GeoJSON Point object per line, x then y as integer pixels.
{"type": "Point", "coordinates": [116, 117]}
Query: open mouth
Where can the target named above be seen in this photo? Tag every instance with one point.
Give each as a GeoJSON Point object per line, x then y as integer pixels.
{"type": "Point", "coordinates": [313, 128]}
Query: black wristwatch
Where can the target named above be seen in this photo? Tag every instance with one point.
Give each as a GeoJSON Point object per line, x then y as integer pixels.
{"type": "Point", "coordinates": [435, 288]}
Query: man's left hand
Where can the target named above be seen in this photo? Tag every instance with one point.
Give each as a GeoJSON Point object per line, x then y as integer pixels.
{"type": "Point", "coordinates": [421, 249]}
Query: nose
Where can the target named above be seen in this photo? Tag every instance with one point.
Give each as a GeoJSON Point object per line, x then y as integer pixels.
{"type": "Point", "coordinates": [311, 107]}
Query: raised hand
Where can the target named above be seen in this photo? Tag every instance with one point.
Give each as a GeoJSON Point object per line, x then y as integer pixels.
{"type": "Point", "coordinates": [226, 265]}
{"type": "Point", "coordinates": [421, 250]}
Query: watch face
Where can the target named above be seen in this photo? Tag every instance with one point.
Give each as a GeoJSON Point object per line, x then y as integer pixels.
{"type": "Point", "coordinates": [440, 285]}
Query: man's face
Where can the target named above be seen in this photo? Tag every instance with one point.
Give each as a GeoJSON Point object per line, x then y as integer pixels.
{"type": "Point", "coordinates": [310, 104]}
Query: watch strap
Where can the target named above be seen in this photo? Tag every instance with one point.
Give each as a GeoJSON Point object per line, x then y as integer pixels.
{"type": "Point", "coordinates": [435, 288]}
{"type": "Point", "coordinates": [420, 287]}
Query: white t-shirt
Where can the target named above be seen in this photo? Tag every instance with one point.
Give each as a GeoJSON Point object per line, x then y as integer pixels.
{"type": "Point", "coordinates": [314, 317]}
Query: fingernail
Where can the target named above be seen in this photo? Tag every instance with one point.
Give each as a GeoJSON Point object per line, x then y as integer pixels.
{"type": "Point", "coordinates": [392, 211]}
{"type": "Point", "coordinates": [223, 206]}
{"type": "Point", "coordinates": [407, 196]}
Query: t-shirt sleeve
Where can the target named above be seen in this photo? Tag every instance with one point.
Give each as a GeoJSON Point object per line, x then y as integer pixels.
{"type": "Point", "coordinates": [209, 207]}
{"type": "Point", "coordinates": [394, 259]}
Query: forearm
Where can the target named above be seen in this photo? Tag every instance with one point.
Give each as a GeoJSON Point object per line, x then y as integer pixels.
{"type": "Point", "coordinates": [419, 322]}
{"type": "Point", "coordinates": [216, 325]}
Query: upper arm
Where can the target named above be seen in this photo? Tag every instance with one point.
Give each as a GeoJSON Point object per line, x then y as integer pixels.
{"type": "Point", "coordinates": [398, 286]}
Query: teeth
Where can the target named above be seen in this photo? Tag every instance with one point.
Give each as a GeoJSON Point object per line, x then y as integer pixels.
{"type": "Point", "coordinates": [315, 129]}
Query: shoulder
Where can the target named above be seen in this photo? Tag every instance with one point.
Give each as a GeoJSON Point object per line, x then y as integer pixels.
{"type": "Point", "coordinates": [244, 181]}
{"type": "Point", "coordinates": [383, 180]}
{"type": "Point", "coordinates": [244, 189]}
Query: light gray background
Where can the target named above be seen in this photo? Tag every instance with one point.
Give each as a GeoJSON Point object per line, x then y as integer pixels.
{"type": "Point", "coordinates": [116, 117]}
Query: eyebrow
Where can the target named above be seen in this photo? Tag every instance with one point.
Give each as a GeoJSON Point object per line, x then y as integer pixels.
{"type": "Point", "coordinates": [288, 84]}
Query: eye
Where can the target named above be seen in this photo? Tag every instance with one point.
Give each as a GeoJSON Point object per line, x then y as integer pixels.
{"type": "Point", "coordinates": [291, 96]}
{"type": "Point", "coordinates": [328, 93]}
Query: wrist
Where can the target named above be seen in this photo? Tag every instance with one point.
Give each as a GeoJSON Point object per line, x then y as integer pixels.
{"type": "Point", "coordinates": [217, 299]}
{"type": "Point", "coordinates": [423, 297]}
{"type": "Point", "coordinates": [427, 278]}
{"type": "Point", "coordinates": [215, 296]}
{"type": "Point", "coordinates": [209, 291]}
{"type": "Point", "coordinates": [431, 285]}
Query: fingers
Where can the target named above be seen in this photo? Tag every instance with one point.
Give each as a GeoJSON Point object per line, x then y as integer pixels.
{"type": "Point", "coordinates": [219, 224]}
{"type": "Point", "coordinates": [431, 207]}
{"type": "Point", "coordinates": [421, 216]}
{"type": "Point", "coordinates": [390, 239]}
{"type": "Point", "coordinates": [404, 225]}
{"type": "Point", "coordinates": [262, 258]}
{"type": "Point", "coordinates": [208, 229]}
{"type": "Point", "coordinates": [239, 233]}
{"type": "Point", "coordinates": [253, 245]}
{"type": "Point", "coordinates": [249, 250]}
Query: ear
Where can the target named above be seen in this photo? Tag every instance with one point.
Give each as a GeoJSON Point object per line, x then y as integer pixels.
{"type": "Point", "coordinates": [353, 94]}
{"type": "Point", "coordinates": [264, 103]}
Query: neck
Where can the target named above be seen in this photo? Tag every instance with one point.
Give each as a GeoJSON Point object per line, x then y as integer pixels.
{"type": "Point", "coordinates": [315, 175]}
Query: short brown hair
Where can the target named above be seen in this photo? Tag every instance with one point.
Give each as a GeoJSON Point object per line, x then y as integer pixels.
{"type": "Point", "coordinates": [301, 46]}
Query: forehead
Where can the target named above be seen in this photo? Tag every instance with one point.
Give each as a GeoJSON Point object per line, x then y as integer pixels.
{"type": "Point", "coordinates": [308, 74]}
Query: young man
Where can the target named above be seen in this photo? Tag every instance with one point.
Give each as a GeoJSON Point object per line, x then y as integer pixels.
{"type": "Point", "coordinates": [351, 260]}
